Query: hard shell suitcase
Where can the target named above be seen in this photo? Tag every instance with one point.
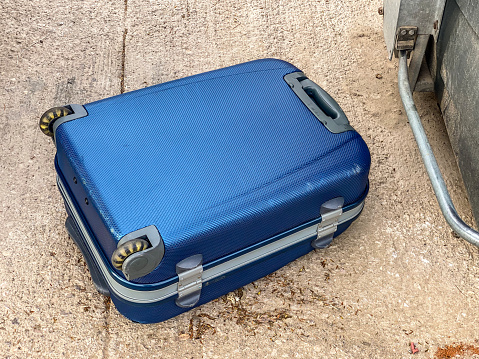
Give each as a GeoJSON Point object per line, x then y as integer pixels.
{"type": "Point", "coordinates": [179, 193]}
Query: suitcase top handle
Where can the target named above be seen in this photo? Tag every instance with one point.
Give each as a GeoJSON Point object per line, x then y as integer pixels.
{"type": "Point", "coordinates": [323, 106]}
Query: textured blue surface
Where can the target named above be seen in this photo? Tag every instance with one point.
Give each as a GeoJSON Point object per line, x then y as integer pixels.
{"type": "Point", "coordinates": [217, 162]}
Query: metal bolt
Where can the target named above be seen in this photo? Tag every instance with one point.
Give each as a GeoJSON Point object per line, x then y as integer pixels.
{"type": "Point", "coordinates": [411, 32]}
{"type": "Point", "coordinates": [403, 32]}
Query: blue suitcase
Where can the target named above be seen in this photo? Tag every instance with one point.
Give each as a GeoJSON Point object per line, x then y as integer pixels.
{"type": "Point", "coordinates": [179, 193]}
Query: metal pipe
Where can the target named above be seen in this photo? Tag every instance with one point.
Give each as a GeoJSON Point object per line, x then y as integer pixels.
{"type": "Point", "coordinates": [437, 181]}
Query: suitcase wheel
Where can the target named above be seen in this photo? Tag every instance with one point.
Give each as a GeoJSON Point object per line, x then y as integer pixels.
{"type": "Point", "coordinates": [126, 250]}
{"type": "Point", "coordinates": [50, 116]}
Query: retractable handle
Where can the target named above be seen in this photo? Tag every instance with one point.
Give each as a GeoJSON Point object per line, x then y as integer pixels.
{"type": "Point", "coordinates": [318, 101]}
{"type": "Point", "coordinates": [437, 181]}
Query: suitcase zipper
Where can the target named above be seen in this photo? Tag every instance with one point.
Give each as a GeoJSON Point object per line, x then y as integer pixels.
{"type": "Point", "coordinates": [137, 293]}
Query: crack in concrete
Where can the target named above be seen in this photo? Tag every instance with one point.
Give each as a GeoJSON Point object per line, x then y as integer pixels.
{"type": "Point", "coordinates": [123, 51]}
{"type": "Point", "coordinates": [122, 76]}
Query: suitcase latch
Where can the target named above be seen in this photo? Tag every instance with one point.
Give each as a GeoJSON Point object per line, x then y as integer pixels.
{"type": "Point", "coordinates": [189, 272]}
{"type": "Point", "coordinates": [330, 213]}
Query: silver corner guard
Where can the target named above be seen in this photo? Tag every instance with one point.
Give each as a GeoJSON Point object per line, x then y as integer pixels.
{"type": "Point", "coordinates": [437, 181]}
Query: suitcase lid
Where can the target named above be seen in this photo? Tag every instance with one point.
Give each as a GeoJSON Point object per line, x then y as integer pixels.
{"type": "Point", "coordinates": [215, 162]}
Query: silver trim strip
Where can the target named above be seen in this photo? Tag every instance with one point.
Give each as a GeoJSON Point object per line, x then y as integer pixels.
{"type": "Point", "coordinates": [156, 295]}
{"type": "Point", "coordinates": [245, 259]}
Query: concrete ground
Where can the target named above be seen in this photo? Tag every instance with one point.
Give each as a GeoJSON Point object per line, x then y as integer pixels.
{"type": "Point", "coordinates": [397, 276]}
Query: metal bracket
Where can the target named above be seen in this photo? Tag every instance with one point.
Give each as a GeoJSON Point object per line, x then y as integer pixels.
{"type": "Point", "coordinates": [330, 213]}
{"type": "Point", "coordinates": [406, 37]}
{"type": "Point", "coordinates": [189, 272]}
{"type": "Point", "coordinates": [425, 14]}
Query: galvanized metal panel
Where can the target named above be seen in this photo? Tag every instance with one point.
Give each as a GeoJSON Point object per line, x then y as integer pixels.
{"type": "Point", "coordinates": [391, 16]}
{"type": "Point", "coordinates": [470, 10]}
{"type": "Point", "coordinates": [456, 76]}
{"type": "Point", "coordinates": [420, 13]}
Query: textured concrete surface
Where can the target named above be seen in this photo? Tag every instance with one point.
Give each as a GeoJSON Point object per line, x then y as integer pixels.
{"type": "Point", "coordinates": [397, 275]}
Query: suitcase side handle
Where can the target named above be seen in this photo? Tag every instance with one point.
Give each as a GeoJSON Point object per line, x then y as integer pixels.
{"type": "Point", "coordinates": [318, 101]}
